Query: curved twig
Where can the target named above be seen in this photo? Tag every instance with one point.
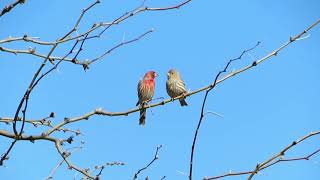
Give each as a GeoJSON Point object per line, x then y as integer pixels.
{"type": "Point", "coordinates": [149, 164]}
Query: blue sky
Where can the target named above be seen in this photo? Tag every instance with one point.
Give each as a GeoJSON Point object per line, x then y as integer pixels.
{"type": "Point", "coordinates": [264, 109]}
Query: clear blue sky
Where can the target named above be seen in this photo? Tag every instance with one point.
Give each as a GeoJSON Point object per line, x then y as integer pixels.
{"type": "Point", "coordinates": [264, 109]}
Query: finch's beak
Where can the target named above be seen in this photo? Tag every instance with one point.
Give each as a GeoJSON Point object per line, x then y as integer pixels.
{"type": "Point", "coordinates": [155, 75]}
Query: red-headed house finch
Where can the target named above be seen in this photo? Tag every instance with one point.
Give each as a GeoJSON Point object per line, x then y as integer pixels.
{"type": "Point", "coordinates": [175, 86]}
{"type": "Point", "coordinates": [145, 93]}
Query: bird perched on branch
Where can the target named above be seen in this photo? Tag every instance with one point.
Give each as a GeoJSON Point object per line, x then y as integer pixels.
{"type": "Point", "coordinates": [175, 86]}
{"type": "Point", "coordinates": [145, 93]}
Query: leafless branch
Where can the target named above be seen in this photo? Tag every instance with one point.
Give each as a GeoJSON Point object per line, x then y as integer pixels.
{"type": "Point", "coordinates": [54, 170]}
{"type": "Point", "coordinates": [26, 38]}
{"type": "Point", "coordinates": [273, 160]}
{"type": "Point", "coordinates": [80, 39]}
{"type": "Point", "coordinates": [83, 36]}
{"type": "Point", "coordinates": [42, 122]}
{"type": "Point", "coordinates": [282, 153]}
{"type": "Point", "coordinates": [121, 44]}
{"type": "Point", "coordinates": [23, 100]}
{"type": "Point", "coordinates": [202, 113]}
{"type": "Point", "coordinates": [84, 63]}
{"type": "Point", "coordinates": [123, 17]}
{"type": "Point", "coordinates": [23, 105]}
{"type": "Point", "coordinates": [101, 167]}
{"type": "Point", "coordinates": [32, 51]}
{"type": "Point", "coordinates": [11, 6]}
{"type": "Point", "coordinates": [216, 81]}
{"type": "Point", "coordinates": [33, 83]}
{"type": "Point", "coordinates": [58, 144]}
{"type": "Point", "coordinates": [100, 111]}
{"type": "Point", "coordinates": [65, 156]}
{"type": "Point", "coordinates": [151, 162]}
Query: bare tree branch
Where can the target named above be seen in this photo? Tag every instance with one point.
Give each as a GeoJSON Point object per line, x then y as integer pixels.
{"type": "Point", "coordinates": [26, 38]}
{"type": "Point", "coordinates": [216, 81]}
{"type": "Point", "coordinates": [32, 51]}
{"type": "Point", "coordinates": [84, 63]}
{"type": "Point", "coordinates": [119, 45]}
{"type": "Point", "coordinates": [151, 162]}
{"type": "Point", "coordinates": [102, 167]}
{"type": "Point", "coordinates": [55, 169]}
{"type": "Point", "coordinates": [33, 83]}
{"type": "Point", "coordinates": [79, 40]}
{"type": "Point", "coordinates": [23, 105]}
{"type": "Point", "coordinates": [11, 6]}
{"type": "Point", "coordinates": [84, 35]}
{"type": "Point", "coordinates": [202, 113]}
{"type": "Point", "coordinates": [106, 113]}
{"type": "Point", "coordinates": [282, 153]}
{"type": "Point", "coordinates": [100, 111]}
{"type": "Point", "coordinates": [65, 156]}
{"type": "Point", "coordinates": [273, 160]}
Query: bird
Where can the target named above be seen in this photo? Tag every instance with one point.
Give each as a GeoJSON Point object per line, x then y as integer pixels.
{"type": "Point", "coordinates": [145, 89]}
{"type": "Point", "coordinates": [175, 86]}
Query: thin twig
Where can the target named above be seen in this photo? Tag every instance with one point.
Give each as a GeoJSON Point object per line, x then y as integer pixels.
{"type": "Point", "coordinates": [43, 122]}
{"type": "Point", "coordinates": [55, 169]}
{"type": "Point", "coordinates": [65, 156]}
{"type": "Point", "coordinates": [151, 162]}
{"type": "Point", "coordinates": [101, 167]}
{"type": "Point", "coordinates": [121, 44]}
{"type": "Point", "coordinates": [34, 53]}
{"type": "Point", "coordinates": [26, 38]}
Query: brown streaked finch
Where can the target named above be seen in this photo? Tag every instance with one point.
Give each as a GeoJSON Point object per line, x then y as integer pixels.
{"type": "Point", "coordinates": [145, 93]}
{"type": "Point", "coordinates": [175, 86]}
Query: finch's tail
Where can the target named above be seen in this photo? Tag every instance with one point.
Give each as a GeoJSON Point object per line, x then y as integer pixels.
{"type": "Point", "coordinates": [183, 102]}
{"type": "Point", "coordinates": [142, 119]}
